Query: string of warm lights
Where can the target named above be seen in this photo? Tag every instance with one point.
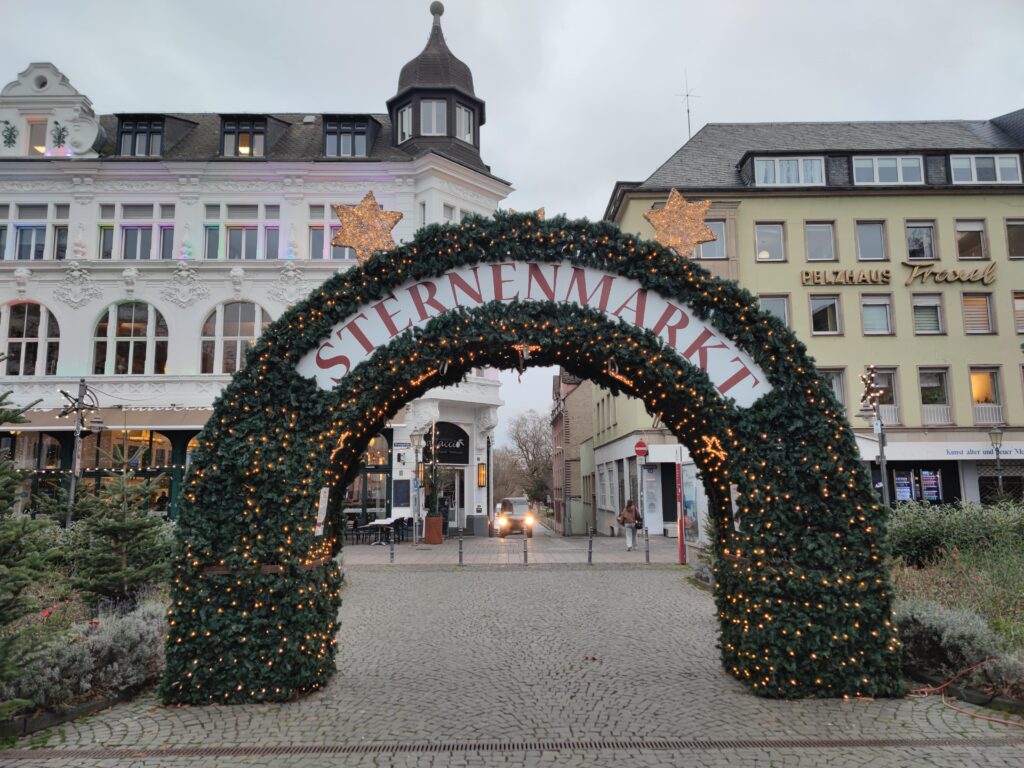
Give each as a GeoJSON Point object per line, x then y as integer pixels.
{"type": "Point", "coordinates": [803, 599]}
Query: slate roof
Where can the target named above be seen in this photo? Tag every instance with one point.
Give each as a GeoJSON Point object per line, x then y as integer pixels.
{"type": "Point", "coordinates": [436, 66]}
{"type": "Point", "coordinates": [299, 142]}
{"type": "Point", "coordinates": [709, 160]}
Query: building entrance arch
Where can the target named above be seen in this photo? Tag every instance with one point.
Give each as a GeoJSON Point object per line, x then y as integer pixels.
{"type": "Point", "coordinates": [803, 597]}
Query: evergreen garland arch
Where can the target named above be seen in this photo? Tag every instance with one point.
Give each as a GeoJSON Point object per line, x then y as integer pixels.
{"type": "Point", "coordinates": [803, 598]}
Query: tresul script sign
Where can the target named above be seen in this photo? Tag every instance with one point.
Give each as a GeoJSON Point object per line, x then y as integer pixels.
{"type": "Point", "coordinates": [413, 305]}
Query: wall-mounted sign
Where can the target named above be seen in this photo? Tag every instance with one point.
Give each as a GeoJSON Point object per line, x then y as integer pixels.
{"type": "Point", "coordinates": [845, 276]}
{"type": "Point", "coordinates": [412, 305]}
{"type": "Point", "coordinates": [925, 272]}
{"type": "Point", "coordinates": [452, 444]}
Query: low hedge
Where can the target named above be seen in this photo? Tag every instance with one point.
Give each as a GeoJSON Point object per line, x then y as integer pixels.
{"type": "Point", "coordinates": [920, 533]}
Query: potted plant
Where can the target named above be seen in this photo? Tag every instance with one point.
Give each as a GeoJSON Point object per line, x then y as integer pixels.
{"type": "Point", "coordinates": [432, 523]}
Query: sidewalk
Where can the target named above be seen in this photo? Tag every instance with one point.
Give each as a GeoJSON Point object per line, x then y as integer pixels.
{"type": "Point", "coordinates": [545, 548]}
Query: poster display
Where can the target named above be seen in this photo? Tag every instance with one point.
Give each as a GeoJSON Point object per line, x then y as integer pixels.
{"type": "Point", "coordinates": [931, 485]}
{"type": "Point", "coordinates": [651, 478]}
{"type": "Point", "coordinates": [904, 484]}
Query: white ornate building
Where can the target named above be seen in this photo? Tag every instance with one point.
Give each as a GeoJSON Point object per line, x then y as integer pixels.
{"type": "Point", "coordinates": [145, 252]}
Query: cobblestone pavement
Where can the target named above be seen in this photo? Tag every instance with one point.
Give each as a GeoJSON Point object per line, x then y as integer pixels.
{"type": "Point", "coordinates": [613, 665]}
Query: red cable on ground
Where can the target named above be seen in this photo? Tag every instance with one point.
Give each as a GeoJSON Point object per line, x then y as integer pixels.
{"type": "Point", "coordinates": [941, 689]}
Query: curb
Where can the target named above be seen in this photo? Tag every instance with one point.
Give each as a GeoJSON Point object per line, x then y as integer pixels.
{"type": "Point", "coordinates": [970, 695]}
{"type": "Point", "coordinates": [29, 724]}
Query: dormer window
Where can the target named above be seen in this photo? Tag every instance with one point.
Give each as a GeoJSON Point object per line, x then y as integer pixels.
{"type": "Point", "coordinates": [141, 138]}
{"type": "Point", "coordinates": [887, 170]}
{"type": "Point", "coordinates": [405, 123]}
{"type": "Point", "coordinates": [344, 138]}
{"type": "Point", "coordinates": [243, 137]}
{"type": "Point", "coordinates": [789, 171]}
{"type": "Point", "coordinates": [464, 123]}
{"type": "Point", "coordinates": [985, 169]}
{"type": "Point", "coordinates": [433, 117]}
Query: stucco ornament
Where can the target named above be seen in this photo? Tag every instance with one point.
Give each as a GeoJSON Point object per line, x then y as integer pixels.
{"type": "Point", "coordinates": [184, 288]}
{"type": "Point", "coordinates": [290, 287]}
{"type": "Point", "coordinates": [80, 248]}
{"type": "Point", "coordinates": [21, 277]}
{"type": "Point", "coordinates": [77, 288]}
{"type": "Point", "coordinates": [129, 275]}
{"type": "Point", "coordinates": [237, 279]}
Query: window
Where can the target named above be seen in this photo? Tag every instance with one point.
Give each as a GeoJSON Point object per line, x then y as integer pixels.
{"type": "Point", "coordinates": [885, 382]}
{"type": "Point", "coordinates": [212, 238]}
{"type": "Point", "coordinates": [716, 248]}
{"type": "Point", "coordinates": [871, 241]}
{"type": "Point", "coordinates": [242, 242]}
{"type": "Point", "coordinates": [1018, 311]}
{"type": "Point", "coordinates": [244, 137]}
{"type": "Point", "coordinates": [464, 123]}
{"type": "Point", "coordinates": [229, 331]}
{"type": "Point", "coordinates": [985, 386]}
{"type": "Point", "coordinates": [836, 382]}
{"type": "Point", "coordinates": [825, 315]}
{"type": "Point", "coordinates": [1015, 239]}
{"type": "Point", "coordinates": [106, 242]}
{"type": "Point", "coordinates": [977, 313]}
{"type": "Point", "coordinates": [770, 242]}
{"type": "Point", "coordinates": [136, 242]}
{"type": "Point", "coordinates": [404, 124]}
{"type": "Point", "coordinates": [33, 340]}
{"type": "Point", "coordinates": [970, 240]}
{"type": "Point", "coordinates": [888, 170]}
{"type": "Point", "coordinates": [37, 138]}
{"type": "Point", "coordinates": [789, 171]}
{"type": "Point", "coordinates": [876, 314]}
{"type": "Point", "coordinates": [60, 242]}
{"type": "Point", "coordinates": [343, 138]}
{"type": "Point", "coordinates": [272, 248]}
{"type": "Point", "coordinates": [921, 240]}
{"type": "Point", "coordinates": [433, 117]}
{"type": "Point", "coordinates": [934, 389]}
{"type": "Point", "coordinates": [449, 213]}
{"type": "Point", "coordinates": [141, 138]}
{"type": "Point", "coordinates": [3, 241]}
{"type": "Point", "coordinates": [130, 338]}
{"type": "Point", "coordinates": [166, 242]}
{"type": "Point", "coordinates": [31, 241]}
{"type": "Point", "coordinates": [821, 244]}
{"type": "Point", "coordinates": [340, 252]}
{"type": "Point", "coordinates": [927, 312]}
{"type": "Point", "coordinates": [985, 169]}
{"type": "Point", "coordinates": [775, 305]}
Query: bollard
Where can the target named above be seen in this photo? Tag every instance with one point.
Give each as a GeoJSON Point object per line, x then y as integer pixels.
{"type": "Point", "coordinates": [460, 546]}
{"type": "Point", "coordinates": [647, 546]}
{"type": "Point", "coordinates": [526, 549]}
{"type": "Point", "coordinates": [392, 553]}
{"type": "Point", "coordinates": [590, 545]}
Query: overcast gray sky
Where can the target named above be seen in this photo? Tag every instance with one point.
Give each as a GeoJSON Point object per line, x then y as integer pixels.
{"type": "Point", "coordinates": [580, 93]}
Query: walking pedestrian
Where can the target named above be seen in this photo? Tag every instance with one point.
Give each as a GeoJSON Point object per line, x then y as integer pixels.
{"type": "Point", "coordinates": [627, 519]}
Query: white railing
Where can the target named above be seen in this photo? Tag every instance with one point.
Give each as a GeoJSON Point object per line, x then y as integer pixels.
{"type": "Point", "coordinates": [988, 413]}
{"type": "Point", "coordinates": [937, 414]}
{"type": "Point", "coordinates": [889, 414]}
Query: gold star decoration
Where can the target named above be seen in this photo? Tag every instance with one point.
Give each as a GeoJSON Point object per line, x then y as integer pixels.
{"type": "Point", "coordinates": [365, 228]}
{"type": "Point", "coordinates": [680, 225]}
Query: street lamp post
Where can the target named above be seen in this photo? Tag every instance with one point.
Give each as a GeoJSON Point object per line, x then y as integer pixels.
{"type": "Point", "coordinates": [869, 411]}
{"type": "Point", "coordinates": [995, 435]}
{"type": "Point", "coordinates": [417, 443]}
{"type": "Point", "coordinates": [85, 401]}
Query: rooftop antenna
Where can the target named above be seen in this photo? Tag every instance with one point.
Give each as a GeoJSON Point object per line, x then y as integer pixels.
{"type": "Point", "coordinates": [686, 97]}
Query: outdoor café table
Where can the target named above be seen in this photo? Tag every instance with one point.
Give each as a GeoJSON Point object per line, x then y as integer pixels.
{"type": "Point", "coordinates": [382, 528]}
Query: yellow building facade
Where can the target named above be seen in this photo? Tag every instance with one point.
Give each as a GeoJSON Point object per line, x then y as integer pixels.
{"type": "Point", "coordinates": [893, 245]}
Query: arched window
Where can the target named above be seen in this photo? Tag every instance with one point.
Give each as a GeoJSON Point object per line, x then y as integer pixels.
{"type": "Point", "coordinates": [130, 338]}
{"type": "Point", "coordinates": [228, 332]}
{"type": "Point", "coordinates": [33, 340]}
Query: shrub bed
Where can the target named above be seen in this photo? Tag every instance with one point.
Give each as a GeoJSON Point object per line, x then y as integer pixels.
{"type": "Point", "coordinates": [922, 533]}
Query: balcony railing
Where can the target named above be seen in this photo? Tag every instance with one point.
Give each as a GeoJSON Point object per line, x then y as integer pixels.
{"type": "Point", "coordinates": [889, 414]}
{"type": "Point", "coordinates": [988, 413]}
{"type": "Point", "coordinates": [936, 414]}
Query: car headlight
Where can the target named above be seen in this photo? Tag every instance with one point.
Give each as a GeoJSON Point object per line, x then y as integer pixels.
{"type": "Point", "coordinates": [502, 521]}
{"type": "Point", "coordinates": [528, 520]}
